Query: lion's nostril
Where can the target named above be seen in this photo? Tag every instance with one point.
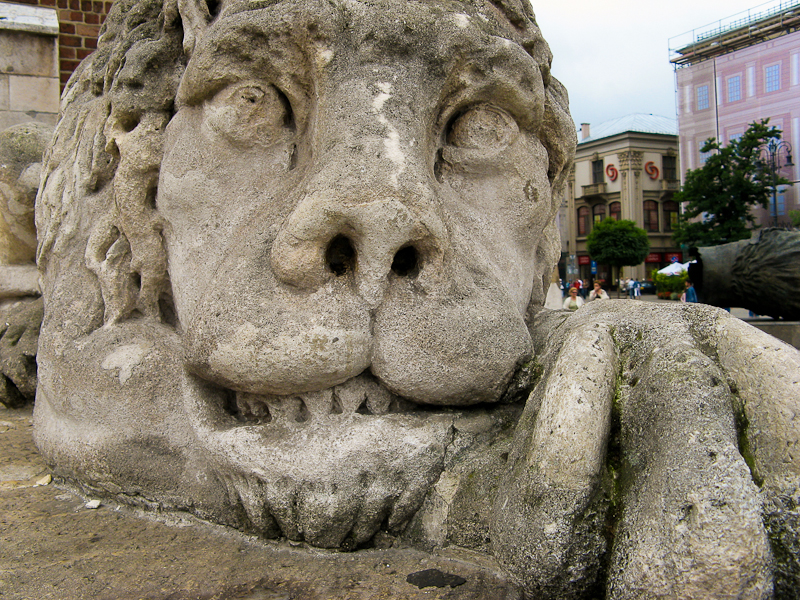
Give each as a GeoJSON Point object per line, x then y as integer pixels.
{"type": "Point", "coordinates": [340, 255]}
{"type": "Point", "coordinates": [406, 262]}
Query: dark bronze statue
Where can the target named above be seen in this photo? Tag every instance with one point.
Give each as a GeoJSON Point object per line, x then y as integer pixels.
{"type": "Point", "coordinates": [761, 274]}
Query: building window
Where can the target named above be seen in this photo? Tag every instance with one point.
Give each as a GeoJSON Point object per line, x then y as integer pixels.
{"type": "Point", "coordinates": [584, 223]}
{"type": "Point", "coordinates": [650, 215]}
{"type": "Point", "coordinates": [670, 215]}
{"type": "Point", "coordinates": [703, 155]}
{"type": "Point", "coordinates": [669, 164]}
{"type": "Point", "coordinates": [598, 213]}
{"type": "Point", "coordinates": [772, 78]}
{"type": "Point", "coordinates": [615, 210]}
{"type": "Point", "coordinates": [733, 137]}
{"type": "Point", "coordinates": [702, 97]}
{"type": "Point", "coordinates": [781, 203]}
{"type": "Point", "coordinates": [734, 89]}
{"type": "Point", "coordinates": [597, 171]}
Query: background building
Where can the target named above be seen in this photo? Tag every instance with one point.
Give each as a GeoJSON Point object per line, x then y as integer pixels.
{"type": "Point", "coordinates": [626, 168]}
{"type": "Point", "coordinates": [79, 24]}
{"type": "Point", "coordinates": [41, 44]}
{"type": "Point", "coordinates": [29, 80]}
{"type": "Point", "coordinates": [744, 69]}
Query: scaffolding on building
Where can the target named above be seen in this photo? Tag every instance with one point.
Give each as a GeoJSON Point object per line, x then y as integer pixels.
{"type": "Point", "coordinates": [764, 22]}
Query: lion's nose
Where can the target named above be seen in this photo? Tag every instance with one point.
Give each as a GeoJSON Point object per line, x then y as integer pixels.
{"type": "Point", "coordinates": [369, 242]}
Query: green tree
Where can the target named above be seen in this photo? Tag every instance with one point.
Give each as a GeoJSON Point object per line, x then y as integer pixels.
{"type": "Point", "coordinates": [723, 191]}
{"type": "Point", "coordinates": [794, 215]}
{"type": "Point", "coordinates": [673, 285]}
{"type": "Point", "coordinates": [618, 243]}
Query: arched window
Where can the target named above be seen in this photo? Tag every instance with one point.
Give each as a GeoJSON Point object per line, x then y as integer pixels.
{"type": "Point", "coordinates": [598, 213]}
{"type": "Point", "coordinates": [584, 223]}
{"type": "Point", "coordinates": [615, 210]}
{"type": "Point", "coordinates": [650, 215]}
{"type": "Point", "coordinates": [670, 215]}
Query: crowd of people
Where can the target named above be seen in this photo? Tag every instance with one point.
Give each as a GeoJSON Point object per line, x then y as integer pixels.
{"type": "Point", "coordinates": [576, 294]}
{"type": "Point", "coordinates": [632, 287]}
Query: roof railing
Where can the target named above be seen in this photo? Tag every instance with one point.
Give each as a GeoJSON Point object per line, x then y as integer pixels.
{"type": "Point", "coordinates": [748, 20]}
{"type": "Point", "coordinates": [686, 43]}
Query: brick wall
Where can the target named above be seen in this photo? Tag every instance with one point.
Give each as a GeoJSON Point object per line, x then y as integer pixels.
{"type": "Point", "coordinates": [79, 24]}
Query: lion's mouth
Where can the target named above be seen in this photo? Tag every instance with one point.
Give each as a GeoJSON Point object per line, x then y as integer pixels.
{"type": "Point", "coordinates": [359, 395]}
{"type": "Point", "coordinates": [333, 464]}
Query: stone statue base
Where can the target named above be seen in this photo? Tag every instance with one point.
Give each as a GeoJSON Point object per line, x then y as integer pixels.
{"type": "Point", "coordinates": [135, 557]}
{"type": "Point", "coordinates": [785, 331]}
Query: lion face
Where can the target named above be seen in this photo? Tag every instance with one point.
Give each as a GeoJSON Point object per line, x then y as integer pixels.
{"type": "Point", "coordinates": [353, 205]}
{"type": "Point", "coordinates": [356, 201]}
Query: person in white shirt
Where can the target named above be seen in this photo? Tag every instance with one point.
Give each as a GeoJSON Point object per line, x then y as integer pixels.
{"type": "Point", "coordinates": [573, 301]}
{"type": "Point", "coordinates": [598, 293]}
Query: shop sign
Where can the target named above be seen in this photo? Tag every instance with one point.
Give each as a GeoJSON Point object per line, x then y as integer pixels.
{"type": "Point", "coordinates": [584, 260]}
{"type": "Point", "coordinates": [653, 257]}
{"type": "Point", "coordinates": [674, 257]}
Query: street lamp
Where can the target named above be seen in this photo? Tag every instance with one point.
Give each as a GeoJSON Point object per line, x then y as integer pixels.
{"type": "Point", "coordinates": [771, 158]}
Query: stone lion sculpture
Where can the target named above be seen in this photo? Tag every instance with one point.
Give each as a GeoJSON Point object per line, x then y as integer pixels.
{"type": "Point", "coordinates": [21, 150]}
{"type": "Point", "coordinates": [293, 256]}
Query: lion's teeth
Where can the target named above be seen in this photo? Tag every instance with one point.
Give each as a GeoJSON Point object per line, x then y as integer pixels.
{"type": "Point", "coordinates": [253, 406]}
{"type": "Point", "coordinates": [351, 394]}
{"type": "Point", "coordinates": [362, 395]}
{"type": "Point", "coordinates": [378, 398]}
{"type": "Point", "coordinates": [319, 404]}
{"type": "Point", "coordinates": [288, 409]}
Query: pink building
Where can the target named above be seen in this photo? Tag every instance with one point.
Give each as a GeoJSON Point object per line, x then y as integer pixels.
{"type": "Point", "coordinates": [742, 70]}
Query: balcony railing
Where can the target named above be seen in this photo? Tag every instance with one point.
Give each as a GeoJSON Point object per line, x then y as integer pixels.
{"type": "Point", "coordinates": [671, 185]}
{"type": "Point", "coordinates": [595, 189]}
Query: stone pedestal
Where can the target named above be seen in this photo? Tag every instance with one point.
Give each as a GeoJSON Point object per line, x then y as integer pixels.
{"type": "Point", "coordinates": [785, 331]}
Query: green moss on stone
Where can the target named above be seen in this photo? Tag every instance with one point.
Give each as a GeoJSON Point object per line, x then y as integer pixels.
{"type": "Point", "coordinates": [742, 426]}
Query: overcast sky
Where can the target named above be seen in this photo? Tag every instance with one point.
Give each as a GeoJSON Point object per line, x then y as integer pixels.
{"type": "Point", "coordinates": [613, 56]}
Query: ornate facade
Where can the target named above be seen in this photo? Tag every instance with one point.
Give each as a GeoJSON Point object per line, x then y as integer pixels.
{"type": "Point", "coordinates": [627, 168]}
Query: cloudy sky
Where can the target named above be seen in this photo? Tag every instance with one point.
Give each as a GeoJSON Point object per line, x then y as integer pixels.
{"type": "Point", "coordinates": [613, 56]}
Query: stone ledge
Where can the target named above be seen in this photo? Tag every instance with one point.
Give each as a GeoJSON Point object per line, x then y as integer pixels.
{"type": "Point", "coordinates": [786, 331]}
{"type": "Point", "coordinates": [35, 19]}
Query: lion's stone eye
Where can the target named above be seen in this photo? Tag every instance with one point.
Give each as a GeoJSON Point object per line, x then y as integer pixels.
{"type": "Point", "coordinates": [482, 127]}
{"type": "Point", "coordinates": [251, 94]}
{"type": "Point", "coordinates": [250, 115]}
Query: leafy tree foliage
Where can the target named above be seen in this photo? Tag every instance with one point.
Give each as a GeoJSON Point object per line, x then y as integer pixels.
{"type": "Point", "coordinates": [618, 243]}
{"type": "Point", "coordinates": [723, 191]}
{"type": "Point", "coordinates": [670, 284]}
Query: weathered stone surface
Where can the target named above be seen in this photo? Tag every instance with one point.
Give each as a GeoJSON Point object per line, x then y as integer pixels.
{"type": "Point", "coordinates": [21, 150]}
{"type": "Point", "coordinates": [294, 255]}
{"type": "Point", "coordinates": [19, 334]}
{"type": "Point", "coordinates": [54, 548]}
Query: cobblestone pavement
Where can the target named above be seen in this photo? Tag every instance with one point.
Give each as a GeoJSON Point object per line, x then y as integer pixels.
{"type": "Point", "coordinates": [52, 547]}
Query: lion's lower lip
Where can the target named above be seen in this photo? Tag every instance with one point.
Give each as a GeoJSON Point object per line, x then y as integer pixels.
{"type": "Point", "coordinates": [362, 394]}
{"type": "Point", "coordinates": [296, 467]}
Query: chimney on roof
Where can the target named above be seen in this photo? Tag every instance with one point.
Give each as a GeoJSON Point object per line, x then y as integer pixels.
{"type": "Point", "coordinates": [585, 131]}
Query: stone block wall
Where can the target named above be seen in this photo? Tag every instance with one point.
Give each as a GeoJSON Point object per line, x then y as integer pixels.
{"type": "Point", "coordinates": [29, 65]}
{"type": "Point", "coordinates": [79, 24]}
